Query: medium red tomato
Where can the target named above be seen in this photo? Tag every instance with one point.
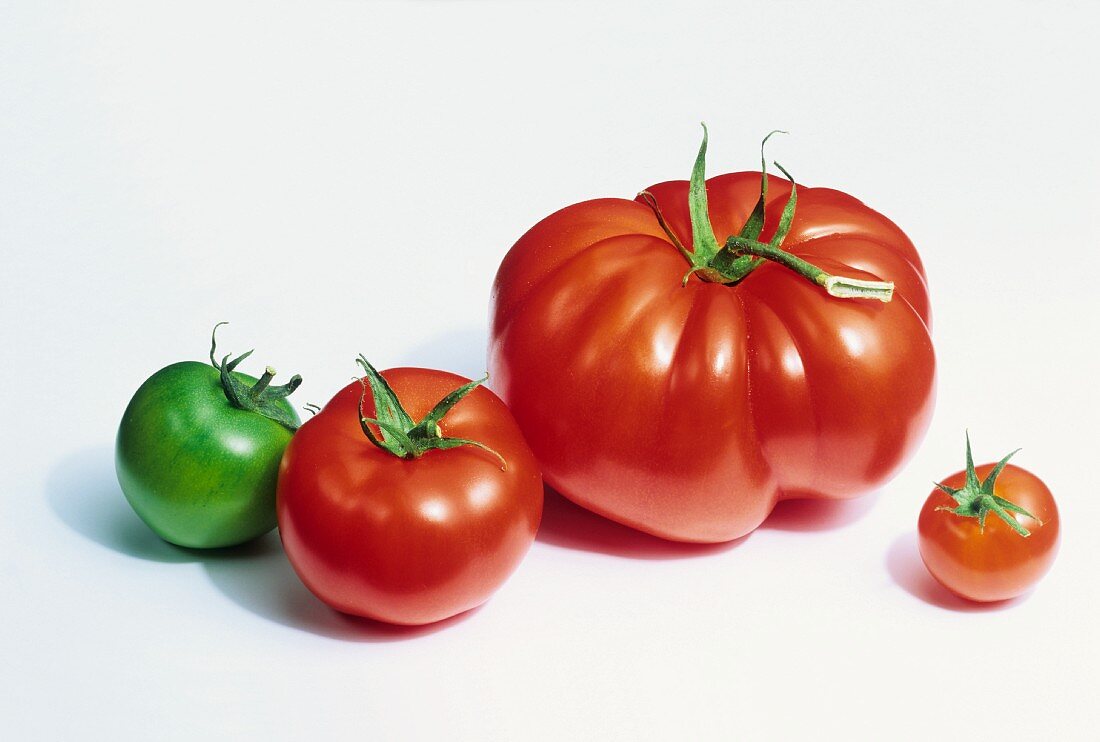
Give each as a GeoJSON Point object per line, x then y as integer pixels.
{"type": "Point", "coordinates": [408, 523]}
{"type": "Point", "coordinates": [687, 406]}
{"type": "Point", "coordinates": [986, 558]}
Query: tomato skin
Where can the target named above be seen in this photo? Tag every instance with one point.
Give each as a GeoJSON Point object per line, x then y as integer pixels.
{"type": "Point", "coordinates": [408, 541]}
{"type": "Point", "coordinates": [200, 472]}
{"type": "Point", "coordinates": [688, 411]}
{"type": "Point", "coordinates": [998, 564]}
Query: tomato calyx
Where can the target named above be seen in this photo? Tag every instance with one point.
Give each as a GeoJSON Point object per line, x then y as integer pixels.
{"type": "Point", "coordinates": [743, 252]}
{"type": "Point", "coordinates": [976, 499]}
{"type": "Point", "coordinates": [399, 435]}
{"type": "Point", "coordinates": [261, 397]}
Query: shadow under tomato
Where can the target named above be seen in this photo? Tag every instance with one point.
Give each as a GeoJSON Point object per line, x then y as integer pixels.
{"type": "Point", "coordinates": [808, 514]}
{"type": "Point", "coordinates": [82, 490]}
{"type": "Point", "coordinates": [569, 526]}
{"type": "Point", "coordinates": [907, 570]}
{"type": "Point", "coordinates": [263, 583]}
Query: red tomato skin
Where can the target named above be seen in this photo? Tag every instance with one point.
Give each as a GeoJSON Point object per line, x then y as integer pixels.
{"type": "Point", "coordinates": [408, 541]}
{"type": "Point", "coordinates": [689, 411]}
{"type": "Point", "coordinates": [998, 564]}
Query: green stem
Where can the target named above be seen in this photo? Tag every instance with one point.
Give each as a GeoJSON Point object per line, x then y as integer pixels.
{"type": "Point", "coordinates": [839, 286]}
{"type": "Point", "coordinates": [262, 383]}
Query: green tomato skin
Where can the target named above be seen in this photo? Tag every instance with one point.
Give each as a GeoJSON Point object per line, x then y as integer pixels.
{"type": "Point", "coordinates": [200, 472]}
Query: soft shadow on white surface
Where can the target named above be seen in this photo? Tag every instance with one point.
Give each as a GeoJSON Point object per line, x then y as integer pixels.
{"type": "Point", "coordinates": [82, 490]}
{"type": "Point", "coordinates": [906, 569]}
{"type": "Point", "coordinates": [819, 515]}
{"type": "Point", "coordinates": [570, 526]}
{"type": "Point", "coordinates": [263, 583]}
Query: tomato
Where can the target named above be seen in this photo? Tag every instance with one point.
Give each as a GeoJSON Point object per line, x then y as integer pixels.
{"type": "Point", "coordinates": [985, 558]}
{"type": "Point", "coordinates": [687, 404]}
{"type": "Point", "coordinates": [408, 524]}
{"type": "Point", "coordinates": [198, 451]}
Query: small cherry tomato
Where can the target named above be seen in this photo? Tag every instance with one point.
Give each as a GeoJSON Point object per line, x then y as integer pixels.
{"type": "Point", "coordinates": [408, 499]}
{"type": "Point", "coordinates": [989, 533]}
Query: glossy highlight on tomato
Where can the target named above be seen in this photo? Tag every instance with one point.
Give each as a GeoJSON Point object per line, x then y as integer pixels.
{"type": "Point", "coordinates": [689, 409]}
{"type": "Point", "coordinates": [408, 540]}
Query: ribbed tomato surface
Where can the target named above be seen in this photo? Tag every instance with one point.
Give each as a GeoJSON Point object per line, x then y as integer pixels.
{"type": "Point", "coordinates": [688, 411]}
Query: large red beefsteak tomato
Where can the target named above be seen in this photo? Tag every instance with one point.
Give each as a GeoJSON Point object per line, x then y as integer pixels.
{"type": "Point", "coordinates": [683, 386]}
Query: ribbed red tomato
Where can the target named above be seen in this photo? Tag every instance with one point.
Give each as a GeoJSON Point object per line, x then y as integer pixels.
{"type": "Point", "coordinates": [688, 410]}
{"type": "Point", "coordinates": [422, 524]}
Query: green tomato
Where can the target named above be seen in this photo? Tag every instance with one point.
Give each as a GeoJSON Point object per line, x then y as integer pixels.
{"type": "Point", "coordinates": [198, 469]}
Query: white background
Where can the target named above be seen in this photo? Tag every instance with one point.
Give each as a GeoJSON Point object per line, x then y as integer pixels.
{"type": "Point", "coordinates": [345, 177]}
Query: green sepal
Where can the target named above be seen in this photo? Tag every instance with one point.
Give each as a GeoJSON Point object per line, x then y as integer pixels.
{"type": "Point", "coordinates": [971, 474]}
{"type": "Point", "coordinates": [754, 225]}
{"type": "Point", "coordinates": [1009, 505]}
{"type": "Point", "coordinates": [443, 406]}
{"type": "Point", "coordinates": [261, 398]}
{"type": "Point", "coordinates": [237, 361]}
{"type": "Point", "coordinates": [982, 513]}
{"type": "Point", "coordinates": [364, 422]}
{"type": "Point", "coordinates": [987, 485]}
{"type": "Point", "coordinates": [651, 202]}
{"type": "Point", "coordinates": [444, 443]}
{"type": "Point", "coordinates": [704, 243]}
{"type": "Point", "coordinates": [395, 440]}
{"type": "Point", "coordinates": [742, 265]}
{"type": "Point", "coordinates": [787, 217]}
{"type": "Point", "coordinates": [402, 437]}
{"type": "Point", "coordinates": [975, 499]}
{"type": "Point", "coordinates": [386, 405]}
